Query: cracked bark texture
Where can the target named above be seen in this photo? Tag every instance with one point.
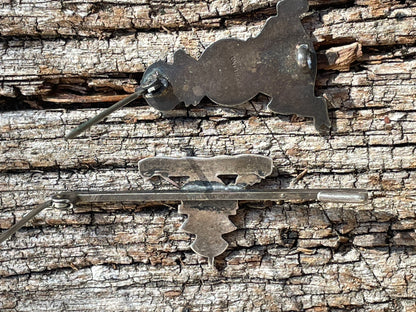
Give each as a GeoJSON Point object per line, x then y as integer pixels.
{"type": "Point", "coordinates": [62, 61]}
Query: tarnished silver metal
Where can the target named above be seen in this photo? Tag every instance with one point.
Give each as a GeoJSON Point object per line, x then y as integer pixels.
{"type": "Point", "coordinates": [205, 198]}
{"type": "Point", "coordinates": [61, 203]}
{"type": "Point", "coordinates": [16, 227]}
{"type": "Point", "coordinates": [211, 194]}
{"type": "Point", "coordinates": [248, 169]}
{"type": "Point", "coordinates": [214, 194]}
{"type": "Point", "coordinates": [58, 201]}
{"type": "Point", "coordinates": [280, 63]}
{"type": "Point", "coordinates": [208, 202]}
{"type": "Point", "coordinates": [148, 87]}
{"type": "Point", "coordinates": [208, 220]}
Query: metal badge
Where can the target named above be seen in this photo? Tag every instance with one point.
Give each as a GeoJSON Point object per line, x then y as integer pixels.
{"type": "Point", "coordinates": [280, 63]}
{"type": "Point", "coordinates": [205, 198]}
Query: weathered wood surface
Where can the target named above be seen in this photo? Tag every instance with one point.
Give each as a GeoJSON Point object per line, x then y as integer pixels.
{"type": "Point", "coordinates": [60, 56]}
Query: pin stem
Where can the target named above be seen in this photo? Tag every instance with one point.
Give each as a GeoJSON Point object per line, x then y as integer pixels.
{"type": "Point", "coordinates": [24, 220]}
{"type": "Point", "coordinates": [86, 125]}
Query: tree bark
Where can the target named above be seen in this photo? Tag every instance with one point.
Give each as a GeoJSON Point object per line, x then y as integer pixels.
{"type": "Point", "coordinates": [63, 61]}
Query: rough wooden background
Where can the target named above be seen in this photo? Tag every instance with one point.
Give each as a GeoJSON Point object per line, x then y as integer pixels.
{"type": "Point", "coordinates": [62, 61]}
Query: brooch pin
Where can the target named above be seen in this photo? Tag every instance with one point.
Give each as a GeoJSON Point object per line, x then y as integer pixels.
{"type": "Point", "coordinates": [204, 198]}
{"type": "Point", "coordinates": [280, 63]}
